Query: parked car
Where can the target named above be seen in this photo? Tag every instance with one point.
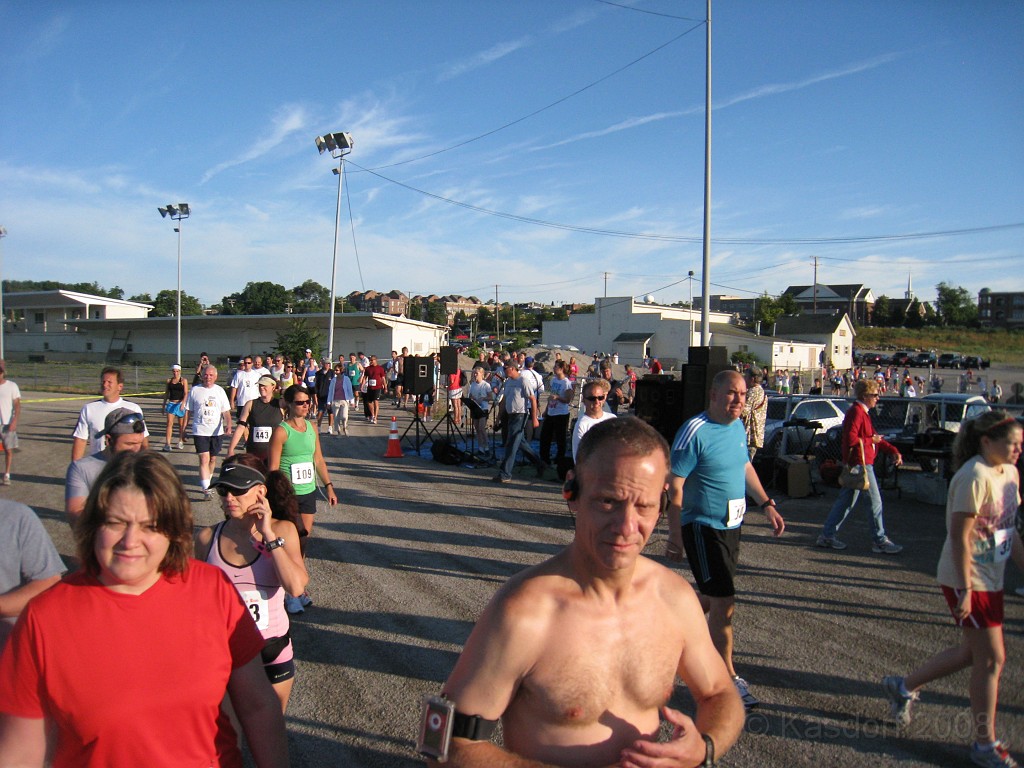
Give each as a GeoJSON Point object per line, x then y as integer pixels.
{"type": "Point", "coordinates": [924, 360]}
{"type": "Point", "coordinates": [828, 412]}
{"type": "Point", "coordinates": [973, 361]}
{"type": "Point", "coordinates": [951, 360]}
{"type": "Point", "coordinates": [872, 358]}
{"type": "Point", "coordinates": [901, 358]}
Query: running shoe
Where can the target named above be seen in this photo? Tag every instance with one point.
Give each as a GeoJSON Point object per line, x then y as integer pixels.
{"type": "Point", "coordinates": [749, 700]}
{"type": "Point", "coordinates": [886, 547]}
{"type": "Point", "coordinates": [6, 480]}
{"type": "Point", "coordinates": [899, 702]}
{"type": "Point", "coordinates": [293, 604]}
{"type": "Point", "coordinates": [181, 445]}
{"type": "Point", "coordinates": [207, 494]}
{"type": "Point", "coordinates": [167, 448]}
{"type": "Point", "coordinates": [996, 757]}
{"type": "Point", "coordinates": [826, 543]}
{"type": "Point", "coordinates": [305, 599]}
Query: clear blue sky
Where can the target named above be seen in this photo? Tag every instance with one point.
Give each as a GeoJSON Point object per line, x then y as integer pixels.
{"type": "Point", "coordinates": [831, 121]}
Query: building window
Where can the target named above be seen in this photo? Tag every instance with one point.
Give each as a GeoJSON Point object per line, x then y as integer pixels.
{"type": "Point", "coordinates": [40, 318]}
{"type": "Point", "coordinates": [842, 331]}
{"type": "Point", "coordinates": [46, 346]}
{"type": "Point", "coordinates": [88, 346]}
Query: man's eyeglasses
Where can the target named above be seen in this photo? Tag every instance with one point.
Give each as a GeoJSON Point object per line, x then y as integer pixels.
{"type": "Point", "coordinates": [595, 398]}
{"type": "Point", "coordinates": [300, 403]}
{"type": "Point", "coordinates": [223, 491]}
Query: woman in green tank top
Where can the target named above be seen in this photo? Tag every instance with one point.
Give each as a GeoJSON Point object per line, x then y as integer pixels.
{"type": "Point", "coordinates": [295, 450]}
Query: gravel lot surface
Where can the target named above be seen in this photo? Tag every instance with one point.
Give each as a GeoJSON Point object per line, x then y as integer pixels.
{"type": "Point", "coordinates": [402, 567]}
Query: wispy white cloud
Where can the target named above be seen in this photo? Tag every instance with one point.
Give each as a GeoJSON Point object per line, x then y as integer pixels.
{"type": "Point", "coordinates": [774, 89]}
{"type": "Point", "coordinates": [289, 120]}
{"type": "Point", "coordinates": [864, 212]}
{"type": "Point", "coordinates": [46, 41]}
{"type": "Point", "coordinates": [762, 91]}
{"type": "Point", "coordinates": [483, 58]}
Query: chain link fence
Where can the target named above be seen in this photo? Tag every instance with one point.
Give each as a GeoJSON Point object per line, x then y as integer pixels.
{"type": "Point", "coordinates": [84, 378]}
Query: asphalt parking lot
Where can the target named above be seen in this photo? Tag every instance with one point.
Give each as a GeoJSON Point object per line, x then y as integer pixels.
{"type": "Point", "coordinates": [402, 567]}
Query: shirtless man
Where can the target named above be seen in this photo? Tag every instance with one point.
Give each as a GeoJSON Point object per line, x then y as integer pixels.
{"type": "Point", "coordinates": [578, 654]}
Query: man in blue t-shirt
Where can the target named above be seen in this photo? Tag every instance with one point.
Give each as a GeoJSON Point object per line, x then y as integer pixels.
{"type": "Point", "coordinates": [710, 458]}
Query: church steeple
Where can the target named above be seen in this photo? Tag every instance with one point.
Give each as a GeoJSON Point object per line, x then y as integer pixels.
{"type": "Point", "coordinates": [909, 295]}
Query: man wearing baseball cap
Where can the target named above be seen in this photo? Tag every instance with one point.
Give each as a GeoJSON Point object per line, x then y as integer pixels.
{"type": "Point", "coordinates": [123, 430]}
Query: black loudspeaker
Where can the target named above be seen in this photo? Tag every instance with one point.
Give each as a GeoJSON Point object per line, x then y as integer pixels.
{"type": "Point", "coordinates": [658, 401]}
{"type": "Point", "coordinates": [715, 357]}
{"type": "Point", "coordinates": [419, 375]}
{"type": "Point", "coordinates": [449, 361]}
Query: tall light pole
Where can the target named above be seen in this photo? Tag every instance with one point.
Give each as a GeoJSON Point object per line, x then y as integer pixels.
{"type": "Point", "coordinates": [339, 145]}
{"type": "Point", "coordinates": [177, 213]}
{"type": "Point", "coordinates": [3, 322]}
{"type": "Point", "coordinates": [689, 278]}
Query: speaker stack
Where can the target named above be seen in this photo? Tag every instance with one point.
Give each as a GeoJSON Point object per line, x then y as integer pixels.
{"type": "Point", "coordinates": [666, 403]}
{"type": "Point", "coordinates": [449, 361]}
{"type": "Point", "coordinates": [419, 375]}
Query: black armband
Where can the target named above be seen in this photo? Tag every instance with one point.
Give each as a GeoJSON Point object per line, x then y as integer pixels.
{"type": "Point", "coordinates": [472, 727]}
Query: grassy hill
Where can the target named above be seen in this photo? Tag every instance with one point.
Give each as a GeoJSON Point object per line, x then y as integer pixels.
{"type": "Point", "coordinates": [1000, 346]}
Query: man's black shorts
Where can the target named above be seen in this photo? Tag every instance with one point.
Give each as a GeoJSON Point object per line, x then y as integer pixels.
{"type": "Point", "coordinates": [713, 555]}
{"type": "Point", "coordinates": [210, 445]}
{"type": "Point", "coordinates": [371, 395]}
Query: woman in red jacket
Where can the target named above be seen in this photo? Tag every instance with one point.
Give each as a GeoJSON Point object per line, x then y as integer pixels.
{"type": "Point", "coordinates": [860, 446]}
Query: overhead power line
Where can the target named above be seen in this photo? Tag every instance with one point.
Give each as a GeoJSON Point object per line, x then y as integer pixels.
{"type": "Point", "coordinates": [693, 239]}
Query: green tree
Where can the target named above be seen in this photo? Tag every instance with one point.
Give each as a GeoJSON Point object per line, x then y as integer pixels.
{"type": "Point", "coordinates": [311, 297]}
{"type": "Point", "coordinates": [436, 313]}
{"type": "Point", "coordinates": [142, 298]}
{"type": "Point", "coordinates": [485, 319]}
{"type": "Point", "coordinates": [261, 298]}
{"type": "Point", "coordinates": [881, 315]}
{"type": "Point", "coordinates": [299, 337]}
{"type": "Point", "coordinates": [166, 304]}
{"type": "Point", "coordinates": [914, 319]}
{"type": "Point", "coordinates": [955, 306]}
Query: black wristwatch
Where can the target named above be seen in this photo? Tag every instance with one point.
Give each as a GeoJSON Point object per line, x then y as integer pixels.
{"type": "Point", "coordinates": [768, 503]}
{"type": "Point", "coordinates": [709, 754]}
{"type": "Point", "coordinates": [272, 545]}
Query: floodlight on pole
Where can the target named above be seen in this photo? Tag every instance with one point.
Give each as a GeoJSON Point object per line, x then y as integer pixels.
{"type": "Point", "coordinates": [339, 145]}
{"type": "Point", "coordinates": [3, 322]}
{"type": "Point", "coordinates": [177, 213]}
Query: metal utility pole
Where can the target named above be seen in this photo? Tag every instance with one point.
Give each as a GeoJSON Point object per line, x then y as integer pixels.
{"type": "Point", "coordinates": [814, 288]}
{"type": "Point", "coordinates": [705, 311]}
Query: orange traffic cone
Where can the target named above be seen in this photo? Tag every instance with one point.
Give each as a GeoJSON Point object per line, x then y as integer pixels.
{"type": "Point", "coordinates": [394, 442]}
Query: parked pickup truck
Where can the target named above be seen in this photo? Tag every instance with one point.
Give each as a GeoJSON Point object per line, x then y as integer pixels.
{"type": "Point", "coordinates": [973, 361]}
{"type": "Point", "coordinates": [951, 360]}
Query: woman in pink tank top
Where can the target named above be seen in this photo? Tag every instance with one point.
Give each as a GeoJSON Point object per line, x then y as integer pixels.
{"type": "Point", "coordinates": [257, 546]}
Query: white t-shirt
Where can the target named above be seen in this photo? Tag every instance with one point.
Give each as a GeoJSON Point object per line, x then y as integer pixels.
{"type": "Point", "coordinates": [583, 425]}
{"type": "Point", "coordinates": [93, 418]}
{"type": "Point", "coordinates": [207, 406]}
{"type": "Point", "coordinates": [559, 388]}
{"type": "Point", "coordinates": [9, 392]}
{"type": "Point", "coordinates": [244, 384]}
{"type": "Point", "coordinates": [993, 495]}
